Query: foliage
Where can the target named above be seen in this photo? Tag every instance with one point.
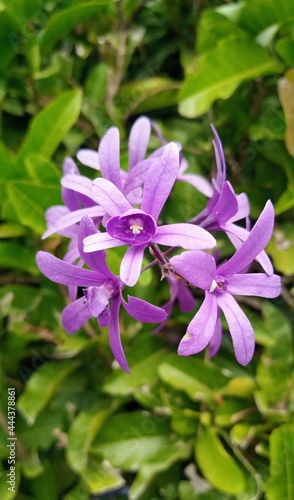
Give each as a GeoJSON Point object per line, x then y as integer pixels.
{"type": "Point", "coordinates": [175, 427]}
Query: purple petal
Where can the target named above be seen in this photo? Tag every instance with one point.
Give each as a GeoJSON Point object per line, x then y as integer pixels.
{"type": "Point", "coordinates": [104, 318]}
{"type": "Point", "coordinates": [240, 328]}
{"type": "Point", "coordinates": [55, 213]}
{"type": "Point", "coordinates": [75, 315]}
{"type": "Point", "coordinates": [201, 328]}
{"type": "Point", "coordinates": [226, 206]}
{"type": "Point", "coordinates": [186, 300]}
{"type": "Point", "coordinates": [186, 236]}
{"type": "Point", "coordinates": [69, 167]}
{"type": "Point", "coordinates": [216, 339]}
{"type": "Point", "coordinates": [138, 140]}
{"type": "Point", "coordinates": [114, 334]}
{"type": "Point", "coordinates": [258, 238]}
{"type": "Point", "coordinates": [79, 184]}
{"type": "Point", "coordinates": [89, 158]}
{"type": "Point", "coordinates": [72, 218]}
{"type": "Point", "coordinates": [100, 241]}
{"type": "Point", "coordinates": [259, 284]}
{"type": "Point", "coordinates": [137, 176]}
{"type": "Point", "coordinates": [237, 235]}
{"type": "Point", "coordinates": [220, 159]}
{"type": "Point", "coordinates": [243, 207]}
{"type": "Point", "coordinates": [108, 153]}
{"type": "Point", "coordinates": [160, 180]}
{"type": "Point", "coordinates": [66, 274]}
{"type": "Point", "coordinates": [196, 267]}
{"type": "Point", "coordinates": [131, 265]}
{"type": "Point", "coordinates": [95, 260]}
{"type": "Point", "coordinates": [110, 197]}
{"type": "Point", "coordinates": [199, 182]}
{"type": "Point", "coordinates": [143, 311]}
{"type": "Point", "coordinates": [97, 298]}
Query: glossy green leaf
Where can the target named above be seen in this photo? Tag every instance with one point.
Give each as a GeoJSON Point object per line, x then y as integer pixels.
{"type": "Point", "coordinates": [216, 464]}
{"type": "Point", "coordinates": [280, 485]}
{"type": "Point", "coordinates": [199, 380]}
{"type": "Point", "coordinates": [49, 376]}
{"type": "Point", "coordinates": [16, 256]}
{"type": "Point", "coordinates": [64, 21]}
{"type": "Point", "coordinates": [100, 477]}
{"type": "Point", "coordinates": [221, 71]}
{"type": "Point", "coordinates": [50, 125]}
{"type": "Point", "coordinates": [30, 199]}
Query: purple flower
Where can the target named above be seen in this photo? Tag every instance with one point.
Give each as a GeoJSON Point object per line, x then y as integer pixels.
{"type": "Point", "coordinates": [102, 293]}
{"type": "Point", "coordinates": [221, 284]}
{"type": "Point", "coordinates": [138, 228]}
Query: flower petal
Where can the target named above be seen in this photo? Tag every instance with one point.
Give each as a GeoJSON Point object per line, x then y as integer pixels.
{"type": "Point", "coordinates": [240, 328]}
{"type": "Point", "coordinates": [258, 284]}
{"type": "Point", "coordinates": [89, 158]}
{"type": "Point", "coordinates": [258, 238]}
{"type": "Point", "coordinates": [143, 311]}
{"type": "Point", "coordinates": [226, 206]}
{"type": "Point", "coordinates": [160, 180]}
{"type": "Point", "coordinates": [199, 182]}
{"type": "Point", "coordinates": [220, 159]}
{"type": "Point", "coordinates": [201, 328]}
{"type": "Point", "coordinates": [110, 197]}
{"type": "Point", "coordinates": [100, 241]}
{"type": "Point", "coordinates": [216, 339]}
{"type": "Point", "coordinates": [131, 265]}
{"type": "Point", "coordinates": [95, 260]}
{"type": "Point", "coordinates": [66, 274]}
{"type": "Point", "coordinates": [186, 236]}
{"type": "Point", "coordinates": [97, 298]}
{"type": "Point", "coordinates": [72, 218]}
{"type": "Point", "coordinates": [75, 315]}
{"type": "Point", "coordinates": [79, 184]}
{"type": "Point", "coordinates": [196, 267]}
{"type": "Point", "coordinates": [109, 157]}
{"type": "Point", "coordinates": [137, 176]}
{"type": "Point", "coordinates": [138, 140]}
{"type": "Point", "coordinates": [114, 334]}
{"type": "Point", "coordinates": [186, 300]}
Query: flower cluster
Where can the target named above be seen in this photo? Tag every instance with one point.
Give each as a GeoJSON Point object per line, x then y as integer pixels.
{"type": "Point", "coordinates": [122, 208]}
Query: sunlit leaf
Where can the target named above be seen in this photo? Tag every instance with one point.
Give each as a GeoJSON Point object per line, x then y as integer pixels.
{"type": "Point", "coordinates": [280, 484]}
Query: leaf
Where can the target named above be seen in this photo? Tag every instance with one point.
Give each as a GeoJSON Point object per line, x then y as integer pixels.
{"type": "Point", "coordinates": [42, 170]}
{"type": "Point", "coordinates": [280, 485]}
{"type": "Point", "coordinates": [214, 26]}
{"type": "Point", "coordinates": [5, 492]}
{"type": "Point", "coordinates": [30, 200]}
{"type": "Point", "coordinates": [281, 247]}
{"type": "Point", "coordinates": [258, 15]}
{"type": "Point", "coordinates": [221, 71]}
{"type": "Point", "coordinates": [50, 125]}
{"type": "Point", "coordinates": [35, 397]}
{"type": "Point", "coordinates": [16, 256]}
{"type": "Point", "coordinates": [284, 203]}
{"type": "Point", "coordinates": [216, 464]}
{"type": "Point", "coordinates": [200, 381]}
{"type": "Point", "coordinates": [286, 95]}
{"type": "Point", "coordinates": [128, 440]}
{"type": "Point", "coordinates": [64, 21]}
{"type": "Point", "coordinates": [285, 48]}
{"type": "Point", "coordinates": [100, 477]}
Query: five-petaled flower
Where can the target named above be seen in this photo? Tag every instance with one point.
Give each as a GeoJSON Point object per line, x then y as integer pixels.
{"type": "Point", "coordinates": [220, 284]}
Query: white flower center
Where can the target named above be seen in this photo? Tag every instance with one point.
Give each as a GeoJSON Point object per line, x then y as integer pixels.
{"type": "Point", "coordinates": [136, 229]}
{"type": "Point", "coordinates": [213, 286]}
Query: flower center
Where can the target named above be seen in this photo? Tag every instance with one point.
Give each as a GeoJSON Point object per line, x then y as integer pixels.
{"type": "Point", "coordinates": [136, 229]}
{"type": "Point", "coordinates": [219, 284]}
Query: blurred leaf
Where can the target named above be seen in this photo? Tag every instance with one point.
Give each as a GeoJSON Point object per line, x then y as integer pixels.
{"type": "Point", "coordinates": [286, 95]}
{"type": "Point", "coordinates": [35, 397]}
{"type": "Point", "coordinates": [96, 83]}
{"type": "Point", "coordinates": [64, 21]}
{"type": "Point", "coordinates": [30, 200]}
{"type": "Point", "coordinates": [11, 230]}
{"type": "Point", "coordinates": [213, 27]}
{"type": "Point", "coordinates": [276, 364]}
{"type": "Point", "coordinates": [258, 15]}
{"type": "Point", "coordinates": [16, 256]}
{"type": "Point", "coordinates": [44, 485]}
{"type": "Point", "coordinates": [284, 203]}
{"type": "Point", "coordinates": [281, 245]}
{"type": "Point", "coordinates": [285, 48]}
{"type": "Point", "coordinates": [9, 39]}
{"type": "Point", "coordinates": [32, 466]}
{"type": "Point", "coordinates": [49, 127]}
{"type": "Point", "coordinates": [216, 464]}
{"type": "Point", "coordinates": [199, 380]}
{"type": "Point", "coordinates": [42, 170]}
{"type": "Point", "coordinates": [221, 72]}
{"type": "Point", "coordinates": [5, 493]}
{"type": "Point", "coordinates": [100, 477]}
{"type": "Point", "coordinates": [280, 485]}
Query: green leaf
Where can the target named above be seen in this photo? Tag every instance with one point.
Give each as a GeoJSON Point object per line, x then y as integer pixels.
{"type": "Point", "coordinates": [100, 477]}
{"type": "Point", "coordinates": [42, 170]}
{"type": "Point", "coordinates": [284, 203]}
{"type": "Point", "coordinates": [35, 397]}
{"type": "Point", "coordinates": [280, 485]}
{"type": "Point", "coordinates": [216, 464]}
{"type": "Point", "coordinates": [50, 125]}
{"type": "Point", "coordinates": [45, 483]}
{"type": "Point", "coordinates": [213, 27]}
{"type": "Point", "coordinates": [286, 95]}
{"type": "Point", "coordinates": [30, 200]}
{"type": "Point", "coordinates": [258, 15]}
{"type": "Point", "coordinates": [16, 256]}
{"type": "Point", "coordinates": [5, 492]}
{"type": "Point", "coordinates": [221, 71]}
{"type": "Point", "coordinates": [285, 48]}
{"type": "Point", "coordinates": [199, 380]}
{"type": "Point", "coordinates": [64, 21]}
{"type": "Point", "coordinates": [281, 246]}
